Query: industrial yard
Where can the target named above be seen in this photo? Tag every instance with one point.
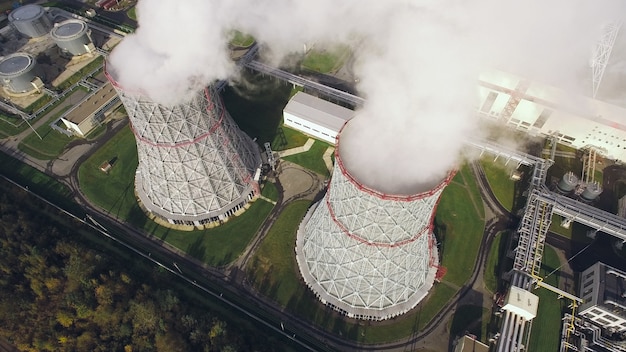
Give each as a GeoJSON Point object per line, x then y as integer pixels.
{"type": "Point", "coordinates": [266, 184]}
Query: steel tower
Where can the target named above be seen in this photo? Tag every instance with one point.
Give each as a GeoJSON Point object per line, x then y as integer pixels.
{"type": "Point", "coordinates": [196, 166]}
{"type": "Point", "coordinates": [367, 254]}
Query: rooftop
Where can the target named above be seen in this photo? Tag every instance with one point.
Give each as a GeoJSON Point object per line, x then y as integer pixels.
{"type": "Point", "coordinates": [319, 111]}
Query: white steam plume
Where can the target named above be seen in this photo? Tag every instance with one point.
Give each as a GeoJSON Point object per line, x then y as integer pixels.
{"type": "Point", "coordinates": [417, 62]}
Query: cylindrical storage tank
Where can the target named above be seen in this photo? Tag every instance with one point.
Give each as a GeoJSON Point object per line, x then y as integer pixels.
{"type": "Point", "coordinates": [367, 254]}
{"type": "Point", "coordinates": [31, 20]}
{"type": "Point", "coordinates": [72, 36]}
{"type": "Point", "coordinates": [195, 165]}
{"type": "Point", "coordinates": [592, 191]}
{"type": "Point", "coordinates": [17, 72]}
{"type": "Point", "coordinates": [568, 182]}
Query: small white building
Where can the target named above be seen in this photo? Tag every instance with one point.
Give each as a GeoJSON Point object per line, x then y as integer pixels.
{"type": "Point", "coordinates": [82, 118]}
{"type": "Point", "coordinates": [315, 117]}
{"type": "Point", "coordinates": [522, 303]}
{"type": "Point", "coordinates": [603, 289]}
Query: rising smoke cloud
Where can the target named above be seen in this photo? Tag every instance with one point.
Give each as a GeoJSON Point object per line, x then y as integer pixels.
{"type": "Point", "coordinates": [417, 62]}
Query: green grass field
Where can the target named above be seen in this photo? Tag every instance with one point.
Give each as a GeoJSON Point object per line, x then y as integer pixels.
{"type": "Point", "coordinates": [313, 159]}
{"type": "Point", "coordinates": [495, 259]}
{"type": "Point", "coordinates": [287, 138]}
{"type": "Point", "coordinates": [114, 192]}
{"type": "Point", "coordinates": [132, 13]}
{"type": "Point", "coordinates": [500, 182]}
{"type": "Point", "coordinates": [545, 335]}
{"type": "Point", "coordinates": [11, 125]}
{"type": "Point", "coordinates": [52, 143]}
{"type": "Point", "coordinates": [239, 39]}
{"type": "Point", "coordinates": [459, 227]}
{"type": "Point", "coordinates": [269, 191]}
{"type": "Point", "coordinates": [326, 60]}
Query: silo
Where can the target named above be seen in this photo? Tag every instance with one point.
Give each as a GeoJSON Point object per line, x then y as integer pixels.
{"type": "Point", "coordinates": [17, 72]}
{"type": "Point", "coordinates": [592, 191]}
{"type": "Point", "coordinates": [31, 20]}
{"type": "Point", "coordinates": [195, 165]}
{"type": "Point", "coordinates": [72, 36]}
{"type": "Point", "coordinates": [368, 254]}
{"type": "Point", "coordinates": [568, 182]}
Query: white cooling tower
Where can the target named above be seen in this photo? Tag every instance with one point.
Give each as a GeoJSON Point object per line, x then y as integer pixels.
{"type": "Point", "coordinates": [367, 254]}
{"type": "Point", "coordinates": [195, 165]}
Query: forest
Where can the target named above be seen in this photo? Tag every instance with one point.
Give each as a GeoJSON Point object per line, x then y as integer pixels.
{"type": "Point", "coordinates": [58, 293]}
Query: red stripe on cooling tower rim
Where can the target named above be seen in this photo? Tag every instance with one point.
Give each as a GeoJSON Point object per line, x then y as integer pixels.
{"type": "Point", "coordinates": [186, 143]}
{"type": "Point", "coordinates": [385, 196]}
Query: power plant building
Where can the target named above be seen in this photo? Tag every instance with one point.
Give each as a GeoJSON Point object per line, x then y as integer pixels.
{"type": "Point", "coordinates": [73, 37]}
{"type": "Point", "coordinates": [316, 117]}
{"type": "Point", "coordinates": [17, 73]}
{"type": "Point", "coordinates": [196, 166]}
{"type": "Point", "coordinates": [90, 112]}
{"type": "Point", "coordinates": [367, 254]}
{"type": "Point", "coordinates": [541, 109]}
{"type": "Point", "coordinates": [31, 20]}
{"type": "Point", "coordinates": [603, 289]}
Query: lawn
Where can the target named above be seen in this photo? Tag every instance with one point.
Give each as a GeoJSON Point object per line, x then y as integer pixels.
{"type": "Point", "coordinates": [38, 182]}
{"type": "Point", "coordinates": [132, 13]}
{"type": "Point", "coordinates": [52, 143]}
{"type": "Point", "coordinates": [313, 159]}
{"type": "Point", "coordinates": [287, 138]}
{"type": "Point", "coordinates": [500, 182]}
{"type": "Point", "coordinates": [241, 40]}
{"type": "Point", "coordinates": [269, 191]}
{"type": "Point", "coordinates": [326, 60]}
{"type": "Point", "coordinates": [545, 335]}
{"type": "Point", "coordinates": [11, 125]}
{"type": "Point", "coordinates": [273, 268]}
{"type": "Point", "coordinates": [114, 192]}
{"type": "Point", "coordinates": [496, 259]}
{"type": "Point", "coordinates": [459, 228]}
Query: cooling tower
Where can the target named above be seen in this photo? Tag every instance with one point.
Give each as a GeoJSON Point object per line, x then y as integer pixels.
{"type": "Point", "coordinates": [195, 165]}
{"type": "Point", "coordinates": [367, 254]}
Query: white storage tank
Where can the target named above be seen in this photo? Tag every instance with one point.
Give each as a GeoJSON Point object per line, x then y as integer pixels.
{"type": "Point", "coordinates": [568, 182]}
{"type": "Point", "coordinates": [17, 72]}
{"type": "Point", "coordinates": [73, 36]}
{"type": "Point", "coordinates": [31, 20]}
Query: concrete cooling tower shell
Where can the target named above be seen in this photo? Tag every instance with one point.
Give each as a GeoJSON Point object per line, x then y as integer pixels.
{"type": "Point", "coordinates": [16, 72]}
{"type": "Point", "coordinates": [195, 165]}
{"type": "Point", "coordinates": [31, 20]}
{"type": "Point", "coordinates": [72, 36]}
{"type": "Point", "coordinates": [367, 254]}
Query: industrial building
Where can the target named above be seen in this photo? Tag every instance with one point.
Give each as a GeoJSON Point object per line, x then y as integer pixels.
{"type": "Point", "coordinates": [90, 112]}
{"type": "Point", "coordinates": [541, 109]}
{"type": "Point", "coordinates": [73, 37]}
{"type": "Point", "coordinates": [196, 167]}
{"type": "Point", "coordinates": [603, 289]}
{"type": "Point", "coordinates": [316, 117]}
{"type": "Point", "coordinates": [367, 254]}
{"type": "Point", "coordinates": [31, 20]}
{"type": "Point", "coordinates": [17, 72]}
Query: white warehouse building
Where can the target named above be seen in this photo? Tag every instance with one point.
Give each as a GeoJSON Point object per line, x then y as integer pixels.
{"type": "Point", "coordinates": [316, 117]}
